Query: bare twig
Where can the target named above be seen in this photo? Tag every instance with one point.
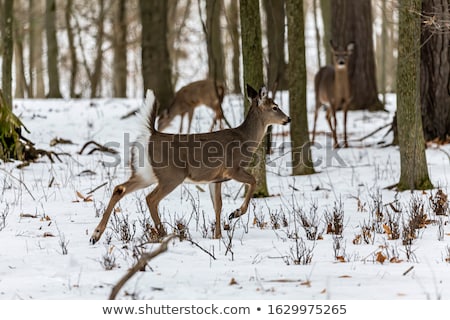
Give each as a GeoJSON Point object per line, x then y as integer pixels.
{"type": "Point", "coordinates": [143, 260]}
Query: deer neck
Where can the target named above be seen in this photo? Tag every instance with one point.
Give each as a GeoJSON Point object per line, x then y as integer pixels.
{"type": "Point", "coordinates": [253, 128]}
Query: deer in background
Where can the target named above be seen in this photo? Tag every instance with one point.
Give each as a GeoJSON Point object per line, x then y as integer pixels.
{"type": "Point", "coordinates": [203, 92]}
{"type": "Point", "coordinates": [332, 88]}
{"type": "Point", "coordinates": [168, 160]}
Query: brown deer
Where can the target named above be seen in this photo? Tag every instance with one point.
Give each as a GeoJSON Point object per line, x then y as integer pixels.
{"type": "Point", "coordinates": [332, 88]}
{"type": "Point", "coordinates": [168, 160]}
{"type": "Point", "coordinates": [203, 92]}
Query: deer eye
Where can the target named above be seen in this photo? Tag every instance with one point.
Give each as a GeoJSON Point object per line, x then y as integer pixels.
{"type": "Point", "coordinates": [275, 108]}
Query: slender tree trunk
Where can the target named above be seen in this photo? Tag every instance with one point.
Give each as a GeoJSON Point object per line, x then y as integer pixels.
{"type": "Point", "coordinates": [233, 30]}
{"type": "Point", "coordinates": [253, 75]}
{"type": "Point", "coordinates": [352, 21]}
{"type": "Point", "coordinates": [301, 147]}
{"type": "Point", "coordinates": [214, 45]}
{"type": "Point", "coordinates": [97, 73]}
{"type": "Point", "coordinates": [275, 26]}
{"type": "Point", "coordinates": [435, 71]}
{"type": "Point", "coordinates": [120, 50]}
{"type": "Point", "coordinates": [21, 85]}
{"type": "Point", "coordinates": [7, 51]}
{"type": "Point", "coordinates": [325, 8]}
{"type": "Point", "coordinates": [52, 50]}
{"type": "Point", "coordinates": [72, 50]}
{"type": "Point", "coordinates": [414, 171]}
{"type": "Point", "coordinates": [156, 66]}
{"type": "Point", "coordinates": [37, 86]}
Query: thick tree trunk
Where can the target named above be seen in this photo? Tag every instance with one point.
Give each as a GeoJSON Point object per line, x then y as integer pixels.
{"type": "Point", "coordinates": [120, 50]}
{"type": "Point", "coordinates": [216, 64]}
{"type": "Point", "coordinates": [435, 71]}
{"type": "Point", "coordinates": [325, 8]}
{"type": "Point", "coordinates": [233, 30]}
{"type": "Point", "coordinates": [52, 50]}
{"type": "Point", "coordinates": [414, 171]}
{"type": "Point", "coordinates": [97, 73]}
{"type": "Point", "coordinates": [253, 75]}
{"type": "Point", "coordinates": [352, 21]}
{"type": "Point", "coordinates": [301, 151]}
{"type": "Point", "coordinates": [275, 29]}
{"type": "Point", "coordinates": [7, 51]}
{"type": "Point", "coordinates": [156, 67]}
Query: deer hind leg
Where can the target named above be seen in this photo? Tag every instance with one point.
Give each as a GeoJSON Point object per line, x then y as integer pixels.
{"type": "Point", "coordinates": [153, 199]}
{"type": "Point", "coordinates": [190, 117]}
{"type": "Point", "coordinates": [244, 177]}
{"type": "Point", "coordinates": [119, 192]}
{"type": "Point", "coordinates": [216, 197]}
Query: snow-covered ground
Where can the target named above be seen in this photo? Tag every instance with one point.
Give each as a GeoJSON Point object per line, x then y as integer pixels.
{"type": "Point", "coordinates": [43, 216]}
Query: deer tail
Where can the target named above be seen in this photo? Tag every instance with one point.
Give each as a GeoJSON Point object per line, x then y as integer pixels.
{"type": "Point", "coordinates": [151, 105]}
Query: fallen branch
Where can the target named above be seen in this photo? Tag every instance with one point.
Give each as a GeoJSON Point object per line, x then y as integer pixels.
{"type": "Point", "coordinates": [99, 147]}
{"type": "Point", "coordinates": [100, 186]}
{"type": "Point", "coordinates": [142, 262]}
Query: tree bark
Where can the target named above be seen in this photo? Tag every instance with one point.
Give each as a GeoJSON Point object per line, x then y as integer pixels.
{"type": "Point", "coordinates": [72, 50]}
{"type": "Point", "coordinates": [413, 171]}
{"type": "Point", "coordinates": [435, 71]}
{"type": "Point", "coordinates": [275, 29]}
{"type": "Point", "coordinates": [156, 66]}
{"type": "Point", "coordinates": [214, 45]}
{"type": "Point", "coordinates": [7, 51]}
{"type": "Point", "coordinates": [253, 75]}
{"type": "Point", "coordinates": [120, 50]}
{"type": "Point", "coordinates": [325, 8]}
{"type": "Point", "coordinates": [21, 84]}
{"type": "Point", "coordinates": [301, 147]}
{"type": "Point", "coordinates": [352, 21]}
{"type": "Point", "coordinates": [37, 86]}
{"type": "Point", "coordinates": [52, 50]}
{"type": "Point", "coordinates": [233, 30]}
{"type": "Point", "coordinates": [97, 73]}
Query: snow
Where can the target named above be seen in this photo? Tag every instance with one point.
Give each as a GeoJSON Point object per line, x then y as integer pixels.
{"type": "Point", "coordinates": [261, 259]}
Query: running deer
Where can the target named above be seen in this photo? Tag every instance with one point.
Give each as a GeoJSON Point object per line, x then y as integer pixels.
{"type": "Point", "coordinates": [203, 92]}
{"type": "Point", "coordinates": [332, 88]}
{"type": "Point", "coordinates": [168, 160]}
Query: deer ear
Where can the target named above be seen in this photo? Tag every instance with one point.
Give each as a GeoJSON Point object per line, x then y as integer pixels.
{"type": "Point", "coordinates": [251, 93]}
{"type": "Point", "coordinates": [350, 47]}
{"type": "Point", "coordinates": [333, 45]}
{"type": "Point", "coordinates": [263, 92]}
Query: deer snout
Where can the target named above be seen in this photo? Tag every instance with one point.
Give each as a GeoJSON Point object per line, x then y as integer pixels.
{"type": "Point", "coordinates": [287, 121]}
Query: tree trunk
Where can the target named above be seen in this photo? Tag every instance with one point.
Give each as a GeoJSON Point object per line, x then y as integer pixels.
{"type": "Point", "coordinates": [156, 67]}
{"type": "Point", "coordinates": [352, 21]}
{"type": "Point", "coordinates": [233, 30]}
{"type": "Point", "coordinates": [413, 171]}
{"type": "Point", "coordinates": [435, 71]}
{"type": "Point", "coordinates": [325, 8]}
{"type": "Point", "coordinates": [52, 50]}
{"type": "Point", "coordinates": [21, 85]}
{"type": "Point", "coordinates": [72, 50]}
{"type": "Point", "coordinates": [7, 51]}
{"type": "Point", "coordinates": [216, 64]}
{"type": "Point", "coordinates": [120, 50]}
{"type": "Point", "coordinates": [253, 75]}
{"type": "Point", "coordinates": [275, 26]}
{"type": "Point", "coordinates": [37, 86]}
{"type": "Point", "coordinates": [97, 73]}
{"type": "Point", "coordinates": [301, 151]}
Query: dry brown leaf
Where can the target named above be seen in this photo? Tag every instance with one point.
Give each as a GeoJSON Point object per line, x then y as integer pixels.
{"type": "Point", "coordinates": [48, 234]}
{"type": "Point", "coordinates": [387, 229]}
{"type": "Point", "coordinates": [28, 215]}
{"type": "Point", "coordinates": [46, 218]}
{"type": "Point", "coordinates": [306, 283]}
{"type": "Point", "coordinates": [233, 282]}
{"type": "Point", "coordinates": [380, 257]}
{"type": "Point", "coordinates": [80, 195]}
{"type": "Point", "coordinates": [323, 291]}
{"type": "Point", "coordinates": [340, 259]}
{"type": "Point", "coordinates": [395, 260]}
{"type": "Point", "coordinates": [345, 276]}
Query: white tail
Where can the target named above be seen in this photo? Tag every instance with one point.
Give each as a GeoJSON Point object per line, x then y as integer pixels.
{"type": "Point", "coordinates": [214, 157]}
{"type": "Point", "coordinates": [203, 92]}
{"type": "Point", "coordinates": [332, 88]}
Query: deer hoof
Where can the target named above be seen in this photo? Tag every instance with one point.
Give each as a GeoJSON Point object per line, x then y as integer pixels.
{"type": "Point", "coordinates": [95, 237]}
{"type": "Point", "coordinates": [235, 214]}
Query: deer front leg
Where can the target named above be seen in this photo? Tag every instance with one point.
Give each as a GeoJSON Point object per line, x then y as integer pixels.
{"type": "Point", "coordinates": [316, 112]}
{"type": "Point", "coordinates": [344, 110]}
{"type": "Point", "coordinates": [119, 192]}
{"type": "Point", "coordinates": [216, 197]}
{"type": "Point", "coordinates": [244, 177]}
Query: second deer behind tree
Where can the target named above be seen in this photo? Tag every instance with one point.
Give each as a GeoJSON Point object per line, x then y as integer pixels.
{"type": "Point", "coordinates": [332, 88]}
{"type": "Point", "coordinates": [203, 92]}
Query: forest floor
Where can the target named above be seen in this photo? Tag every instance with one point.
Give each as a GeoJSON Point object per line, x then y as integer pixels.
{"type": "Point", "coordinates": [393, 245]}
